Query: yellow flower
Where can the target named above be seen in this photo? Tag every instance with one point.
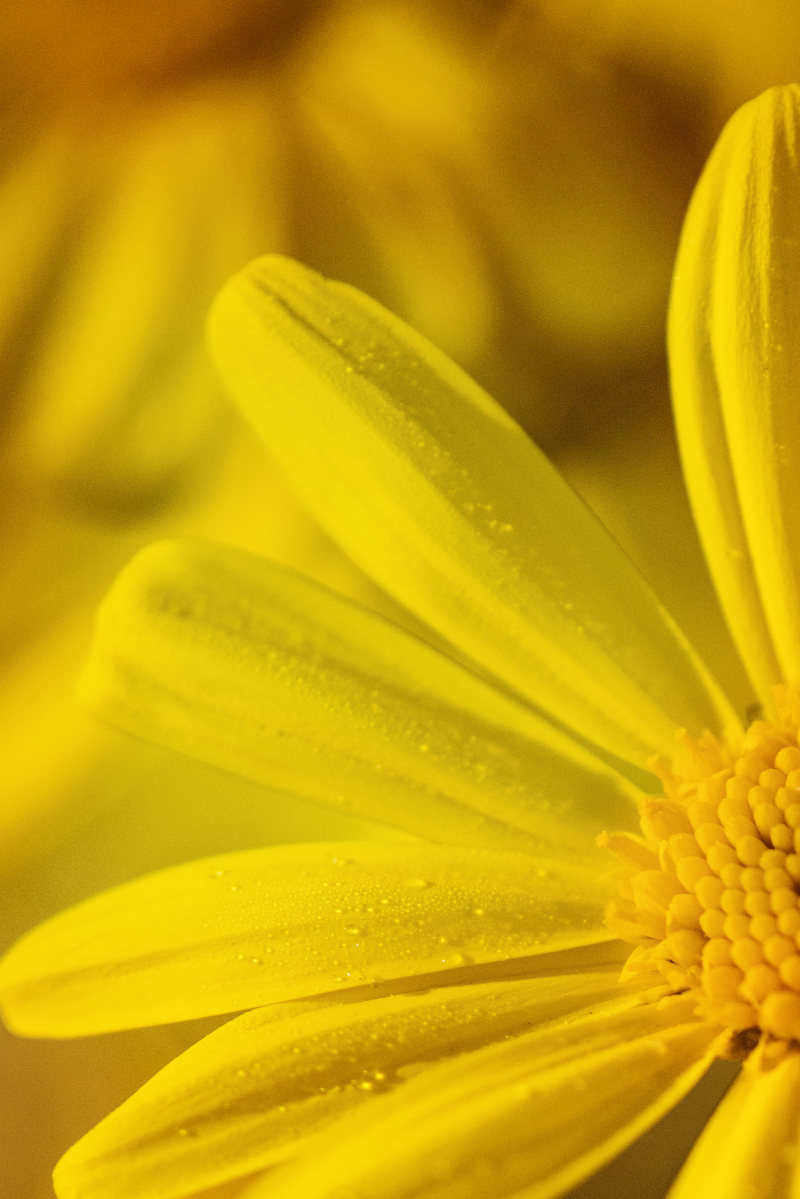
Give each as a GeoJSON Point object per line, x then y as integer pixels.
{"type": "Point", "coordinates": [444, 1016]}
{"type": "Point", "coordinates": [148, 168]}
{"type": "Point", "coordinates": [139, 171]}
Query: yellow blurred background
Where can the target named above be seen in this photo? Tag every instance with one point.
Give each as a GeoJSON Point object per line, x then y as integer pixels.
{"type": "Point", "coordinates": [508, 177]}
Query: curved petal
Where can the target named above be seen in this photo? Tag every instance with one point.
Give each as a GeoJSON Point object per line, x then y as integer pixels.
{"type": "Point", "coordinates": [244, 1098]}
{"type": "Point", "coordinates": [287, 922]}
{"type": "Point", "coordinates": [437, 493]}
{"type": "Point", "coordinates": [246, 665]}
{"type": "Point", "coordinates": [750, 1145]}
{"type": "Point", "coordinates": [528, 1117]}
{"type": "Point", "coordinates": [735, 363]}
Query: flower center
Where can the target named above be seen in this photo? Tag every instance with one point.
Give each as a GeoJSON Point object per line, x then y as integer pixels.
{"type": "Point", "coordinates": [711, 891]}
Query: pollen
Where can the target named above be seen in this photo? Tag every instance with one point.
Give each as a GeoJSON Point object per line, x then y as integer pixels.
{"type": "Point", "coordinates": [710, 892]}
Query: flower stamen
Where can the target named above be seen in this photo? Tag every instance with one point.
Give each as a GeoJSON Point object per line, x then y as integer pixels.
{"type": "Point", "coordinates": [710, 893]}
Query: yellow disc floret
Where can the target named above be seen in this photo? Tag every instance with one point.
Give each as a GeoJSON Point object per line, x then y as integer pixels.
{"type": "Point", "coordinates": [711, 892]}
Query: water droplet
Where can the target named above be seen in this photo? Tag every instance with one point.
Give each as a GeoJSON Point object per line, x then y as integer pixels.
{"type": "Point", "coordinates": [458, 959]}
{"type": "Point", "coordinates": [417, 884]}
{"type": "Point", "coordinates": [353, 930]}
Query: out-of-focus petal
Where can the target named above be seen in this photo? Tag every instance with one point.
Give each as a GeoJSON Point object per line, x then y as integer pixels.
{"type": "Point", "coordinates": [120, 404]}
{"type": "Point", "coordinates": [389, 178]}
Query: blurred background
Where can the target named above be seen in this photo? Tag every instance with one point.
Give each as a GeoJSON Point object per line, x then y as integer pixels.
{"type": "Point", "coordinates": [508, 177]}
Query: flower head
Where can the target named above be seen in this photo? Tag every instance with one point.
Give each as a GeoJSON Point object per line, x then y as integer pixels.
{"type": "Point", "coordinates": [488, 1005]}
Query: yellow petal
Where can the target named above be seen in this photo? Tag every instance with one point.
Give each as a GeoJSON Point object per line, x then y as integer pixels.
{"type": "Point", "coordinates": [243, 1098]}
{"type": "Point", "coordinates": [750, 1146]}
{"type": "Point", "coordinates": [286, 922]}
{"type": "Point", "coordinates": [246, 665]}
{"type": "Point", "coordinates": [407, 155]}
{"type": "Point", "coordinates": [436, 492]}
{"type": "Point", "coordinates": [120, 403]}
{"type": "Point", "coordinates": [528, 1117]}
{"type": "Point", "coordinates": [735, 362]}
{"type": "Point", "coordinates": [40, 192]}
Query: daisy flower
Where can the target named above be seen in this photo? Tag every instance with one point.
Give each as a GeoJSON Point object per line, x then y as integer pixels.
{"type": "Point", "coordinates": [595, 890]}
{"type": "Point", "coordinates": [137, 174]}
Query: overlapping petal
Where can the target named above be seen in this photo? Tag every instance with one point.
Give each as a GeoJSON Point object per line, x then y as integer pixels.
{"type": "Point", "coordinates": [287, 922]}
{"type": "Point", "coordinates": [256, 670]}
{"type": "Point", "coordinates": [435, 491]}
{"type": "Point", "coordinates": [735, 362]}
{"type": "Point", "coordinates": [249, 666]}
{"type": "Point", "coordinates": [245, 1097]}
{"type": "Point", "coordinates": [526, 1117]}
{"type": "Point", "coordinates": [750, 1146]}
